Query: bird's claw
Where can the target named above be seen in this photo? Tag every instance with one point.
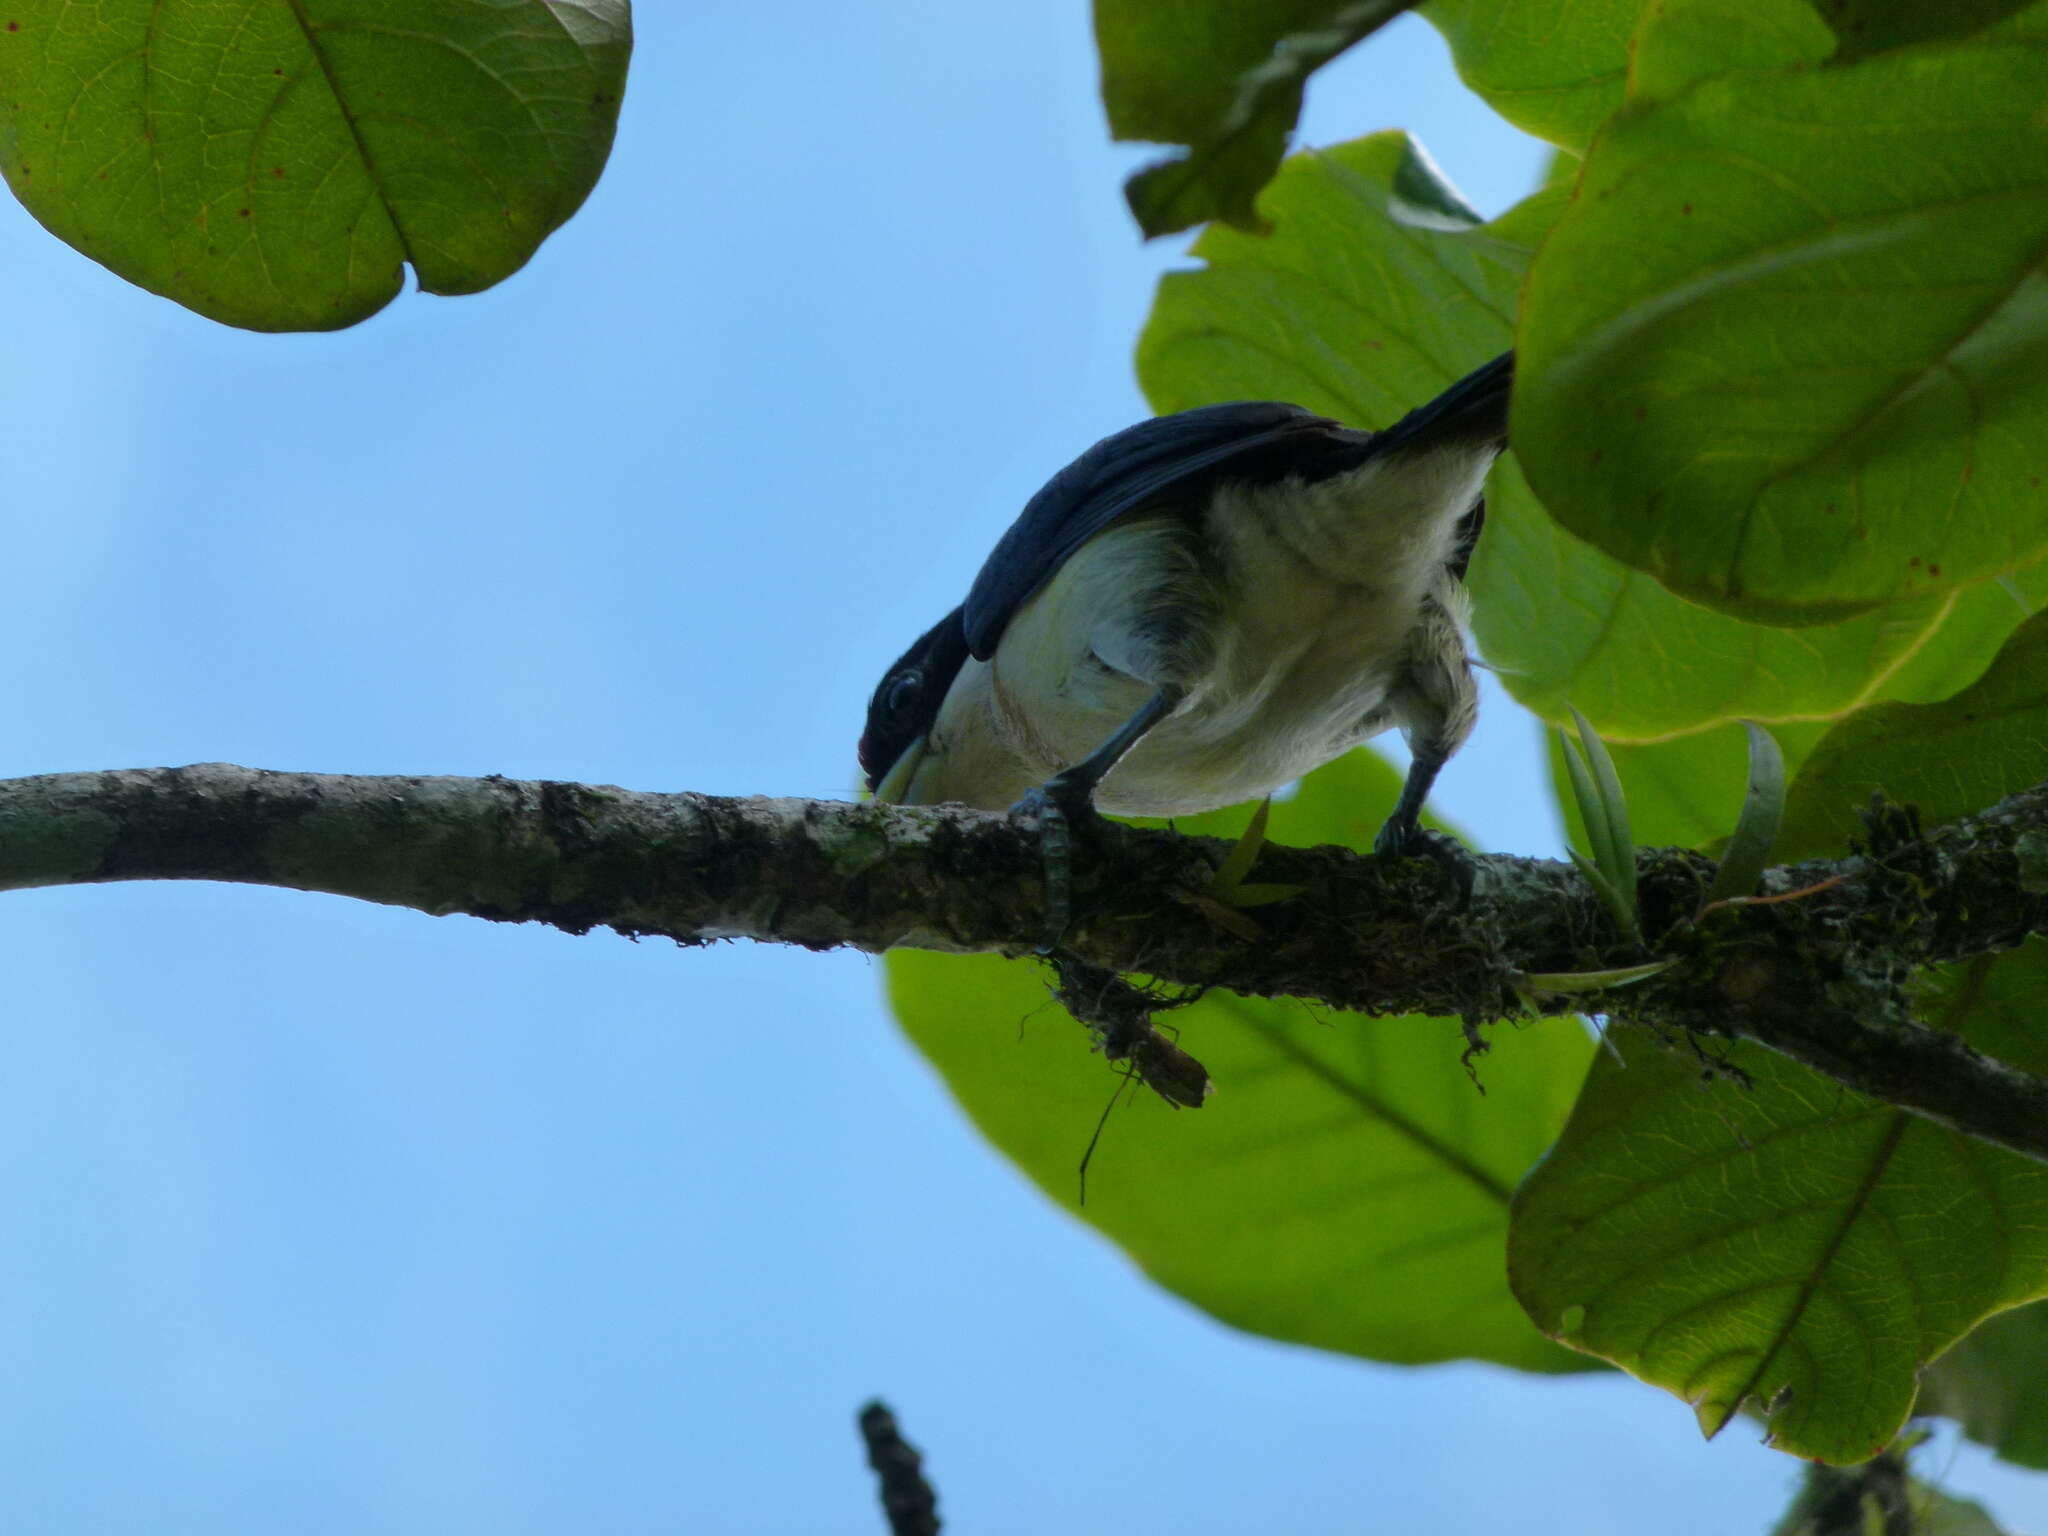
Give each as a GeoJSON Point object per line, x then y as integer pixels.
{"type": "Point", "coordinates": [1056, 813]}
{"type": "Point", "coordinates": [1412, 841]}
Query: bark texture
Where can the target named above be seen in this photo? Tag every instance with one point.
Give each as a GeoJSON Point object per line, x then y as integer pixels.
{"type": "Point", "coordinates": [1818, 975]}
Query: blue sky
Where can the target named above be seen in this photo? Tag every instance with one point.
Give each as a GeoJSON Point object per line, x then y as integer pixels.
{"type": "Point", "coordinates": [325, 1217]}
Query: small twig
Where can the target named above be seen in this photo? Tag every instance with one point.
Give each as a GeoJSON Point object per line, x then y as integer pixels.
{"type": "Point", "coordinates": [907, 1499]}
{"type": "Point", "coordinates": [1765, 901]}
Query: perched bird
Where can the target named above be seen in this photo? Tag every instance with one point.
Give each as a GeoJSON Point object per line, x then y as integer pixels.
{"type": "Point", "coordinates": [1202, 608]}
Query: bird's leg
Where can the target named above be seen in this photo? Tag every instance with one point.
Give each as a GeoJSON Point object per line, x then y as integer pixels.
{"type": "Point", "coordinates": [1403, 833]}
{"type": "Point", "coordinates": [1069, 795]}
{"type": "Point", "coordinates": [1404, 836]}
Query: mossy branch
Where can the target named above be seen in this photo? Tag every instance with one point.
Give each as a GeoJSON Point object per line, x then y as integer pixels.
{"type": "Point", "coordinates": [1819, 977]}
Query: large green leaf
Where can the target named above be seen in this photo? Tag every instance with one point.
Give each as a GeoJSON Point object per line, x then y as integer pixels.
{"type": "Point", "coordinates": [1937, 1512]}
{"type": "Point", "coordinates": [1788, 350]}
{"type": "Point", "coordinates": [1374, 294]}
{"type": "Point", "coordinates": [1362, 304]}
{"type": "Point", "coordinates": [276, 165]}
{"type": "Point", "coordinates": [1681, 42]}
{"type": "Point", "coordinates": [1347, 1186]}
{"type": "Point", "coordinates": [1779, 1243]}
{"type": "Point", "coordinates": [1225, 78]}
{"type": "Point", "coordinates": [1999, 1001]}
{"type": "Point", "coordinates": [1682, 790]}
{"type": "Point", "coordinates": [1949, 759]}
{"type": "Point", "coordinates": [1556, 68]}
{"type": "Point", "coordinates": [1983, 619]}
{"type": "Point", "coordinates": [1870, 26]}
{"type": "Point", "coordinates": [1727, 1242]}
{"type": "Point", "coordinates": [1170, 73]}
{"type": "Point", "coordinates": [1995, 1382]}
{"type": "Point", "coordinates": [1567, 625]}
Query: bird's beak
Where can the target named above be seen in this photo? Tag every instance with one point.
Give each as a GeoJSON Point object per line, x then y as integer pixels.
{"type": "Point", "coordinates": [895, 787]}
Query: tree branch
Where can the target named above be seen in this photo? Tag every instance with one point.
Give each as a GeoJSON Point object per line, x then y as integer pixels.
{"type": "Point", "coordinates": [908, 1502]}
{"type": "Point", "coordinates": [1819, 977]}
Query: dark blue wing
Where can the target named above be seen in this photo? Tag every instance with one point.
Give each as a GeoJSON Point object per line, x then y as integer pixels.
{"type": "Point", "coordinates": [1178, 456]}
{"type": "Point", "coordinates": [1182, 457]}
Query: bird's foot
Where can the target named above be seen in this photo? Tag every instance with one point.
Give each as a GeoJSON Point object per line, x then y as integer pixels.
{"type": "Point", "coordinates": [1058, 806]}
{"type": "Point", "coordinates": [1411, 841]}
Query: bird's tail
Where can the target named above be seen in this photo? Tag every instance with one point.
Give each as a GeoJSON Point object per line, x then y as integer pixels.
{"type": "Point", "coordinates": [1473, 410]}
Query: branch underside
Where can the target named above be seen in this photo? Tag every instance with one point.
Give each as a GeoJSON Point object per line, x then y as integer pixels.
{"type": "Point", "coordinates": [1819, 977]}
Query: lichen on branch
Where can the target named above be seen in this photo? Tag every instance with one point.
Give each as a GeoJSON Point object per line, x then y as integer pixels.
{"type": "Point", "coordinates": [1819, 977]}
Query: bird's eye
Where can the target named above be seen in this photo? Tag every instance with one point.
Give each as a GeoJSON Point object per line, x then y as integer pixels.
{"type": "Point", "coordinates": [903, 693]}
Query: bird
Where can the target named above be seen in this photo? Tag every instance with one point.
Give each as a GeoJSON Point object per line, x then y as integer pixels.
{"type": "Point", "coordinates": [1201, 609]}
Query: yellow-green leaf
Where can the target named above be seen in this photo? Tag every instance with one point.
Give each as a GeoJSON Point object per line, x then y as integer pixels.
{"type": "Point", "coordinates": [1788, 350]}
{"type": "Point", "coordinates": [278, 166]}
{"type": "Point", "coordinates": [1358, 307]}
{"type": "Point", "coordinates": [1556, 68]}
{"type": "Point", "coordinates": [1346, 1186]}
{"type": "Point", "coordinates": [1225, 78]}
{"type": "Point", "coordinates": [1949, 759]}
{"type": "Point", "coordinates": [1779, 1243]}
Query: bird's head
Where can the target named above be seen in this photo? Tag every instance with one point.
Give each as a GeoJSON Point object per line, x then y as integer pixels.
{"type": "Point", "coordinates": [906, 702]}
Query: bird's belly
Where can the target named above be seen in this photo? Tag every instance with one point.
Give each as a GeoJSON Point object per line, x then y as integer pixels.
{"type": "Point", "coordinates": [1291, 672]}
{"type": "Point", "coordinates": [1217, 752]}
{"type": "Point", "coordinates": [1259, 720]}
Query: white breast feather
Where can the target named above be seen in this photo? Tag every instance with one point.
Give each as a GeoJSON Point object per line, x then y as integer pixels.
{"type": "Point", "coordinates": [1315, 588]}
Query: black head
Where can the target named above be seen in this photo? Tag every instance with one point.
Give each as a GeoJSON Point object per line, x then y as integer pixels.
{"type": "Point", "coordinates": [907, 700]}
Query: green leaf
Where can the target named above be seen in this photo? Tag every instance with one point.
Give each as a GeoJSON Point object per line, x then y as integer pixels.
{"type": "Point", "coordinates": [1995, 1384]}
{"type": "Point", "coordinates": [1423, 197]}
{"type": "Point", "coordinates": [1346, 308]}
{"type": "Point", "coordinates": [276, 166]}
{"type": "Point", "coordinates": [2000, 1002]}
{"type": "Point", "coordinates": [1784, 1243]}
{"type": "Point", "coordinates": [1619, 907]}
{"type": "Point", "coordinates": [1592, 814]}
{"type": "Point", "coordinates": [1561, 621]}
{"type": "Point", "coordinates": [1949, 759]}
{"type": "Point", "coordinates": [1679, 788]}
{"type": "Point", "coordinates": [1224, 77]}
{"type": "Point", "coordinates": [1580, 983]}
{"type": "Point", "coordinates": [1170, 74]}
{"type": "Point", "coordinates": [1346, 1186]}
{"type": "Point", "coordinates": [1230, 874]}
{"type": "Point", "coordinates": [1871, 26]}
{"type": "Point", "coordinates": [1679, 791]}
{"type": "Point", "coordinates": [1369, 298]}
{"type": "Point", "coordinates": [1788, 350]}
{"type": "Point", "coordinates": [1556, 68]}
{"type": "Point", "coordinates": [1678, 43]}
{"type": "Point", "coordinates": [1968, 641]}
{"type": "Point", "coordinates": [1603, 812]}
{"type": "Point", "coordinates": [1617, 849]}
{"type": "Point", "coordinates": [1937, 1513]}
{"type": "Point", "coordinates": [1879, 1499]}
{"type": "Point", "coordinates": [1756, 828]}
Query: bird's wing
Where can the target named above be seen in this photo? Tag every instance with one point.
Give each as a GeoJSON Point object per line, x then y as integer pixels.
{"type": "Point", "coordinates": [1178, 456]}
